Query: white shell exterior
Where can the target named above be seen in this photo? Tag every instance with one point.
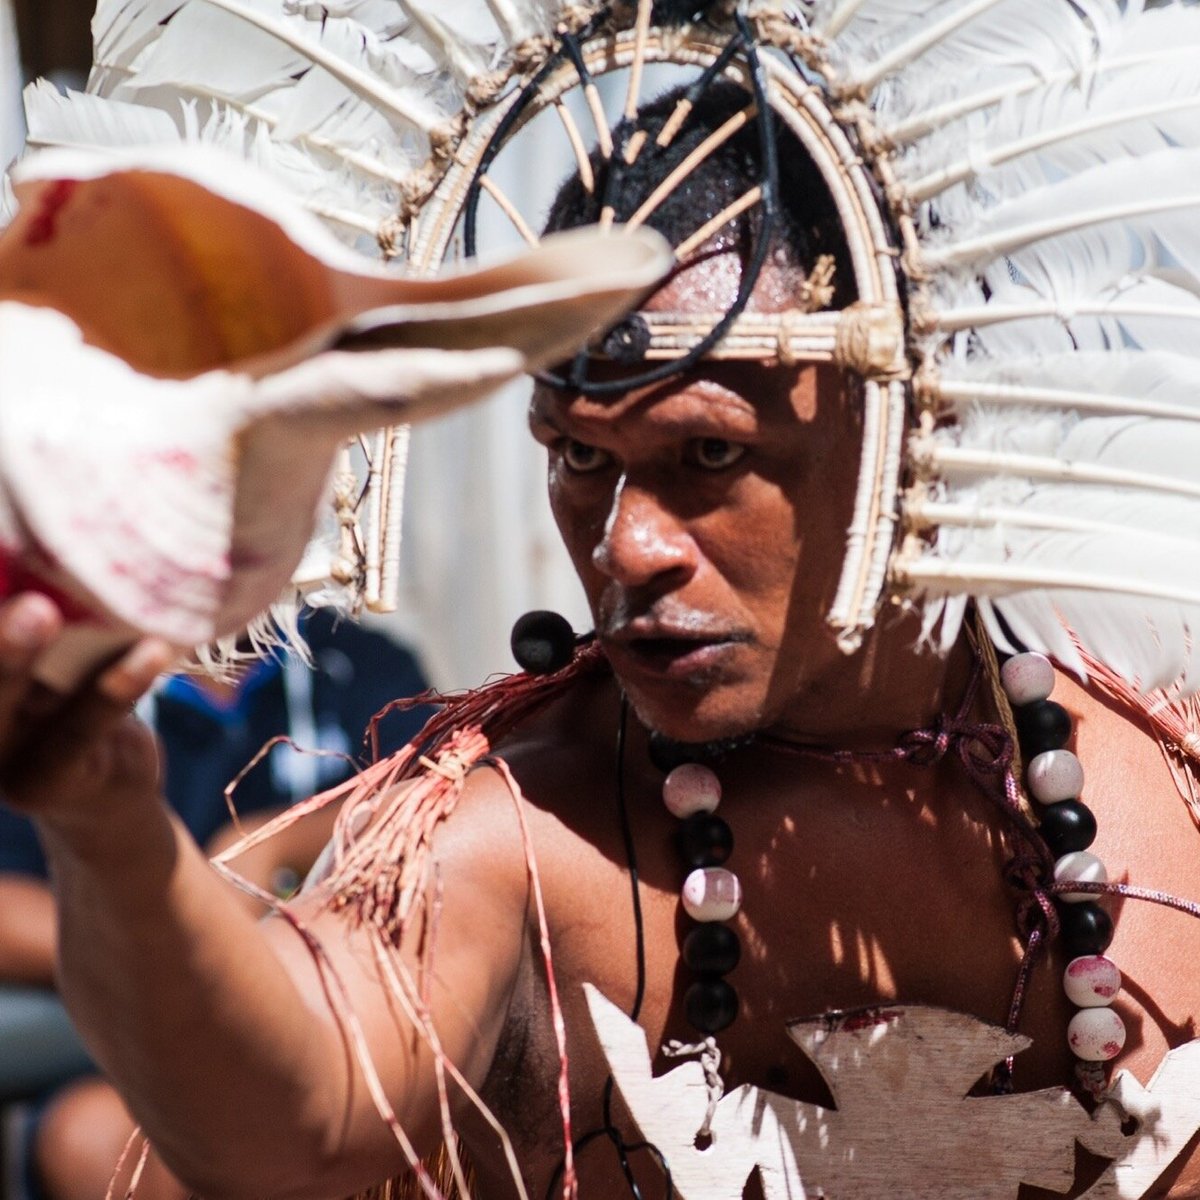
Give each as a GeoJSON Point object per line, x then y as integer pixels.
{"type": "Point", "coordinates": [1080, 866]}
{"type": "Point", "coordinates": [712, 894]}
{"type": "Point", "coordinates": [690, 789]}
{"type": "Point", "coordinates": [1092, 981]}
{"type": "Point", "coordinates": [175, 495]}
{"type": "Point", "coordinates": [1027, 678]}
{"type": "Point", "coordinates": [1054, 775]}
{"type": "Point", "coordinates": [1096, 1034]}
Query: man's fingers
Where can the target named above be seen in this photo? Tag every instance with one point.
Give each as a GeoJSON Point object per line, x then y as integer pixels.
{"type": "Point", "coordinates": [130, 676]}
{"type": "Point", "coordinates": [28, 625]}
{"type": "Point", "coordinates": [92, 714]}
{"type": "Point", "coordinates": [71, 755]}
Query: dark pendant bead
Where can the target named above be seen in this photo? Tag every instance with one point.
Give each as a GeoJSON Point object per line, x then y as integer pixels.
{"type": "Point", "coordinates": [712, 949]}
{"type": "Point", "coordinates": [711, 1005]}
{"type": "Point", "coordinates": [666, 754]}
{"type": "Point", "coordinates": [705, 841]}
{"type": "Point", "coordinates": [627, 342]}
{"type": "Point", "coordinates": [542, 642]}
{"type": "Point", "coordinates": [1041, 726]}
{"type": "Point", "coordinates": [1066, 826]}
{"type": "Point", "coordinates": [1086, 928]}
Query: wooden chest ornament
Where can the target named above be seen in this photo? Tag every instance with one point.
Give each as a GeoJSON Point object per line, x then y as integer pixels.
{"type": "Point", "coordinates": [905, 1127]}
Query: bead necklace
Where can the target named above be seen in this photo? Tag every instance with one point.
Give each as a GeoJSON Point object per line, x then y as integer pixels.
{"type": "Point", "coordinates": [1054, 776]}
{"type": "Point", "coordinates": [711, 894]}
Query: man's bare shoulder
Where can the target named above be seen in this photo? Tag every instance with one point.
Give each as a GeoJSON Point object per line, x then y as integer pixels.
{"type": "Point", "coordinates": [550, 765]}
{"type": "Point", "coordinates": [566, 751]}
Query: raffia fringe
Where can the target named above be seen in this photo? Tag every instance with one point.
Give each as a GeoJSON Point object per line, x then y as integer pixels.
{"type": "Point", "coordinates": [406, 1186]}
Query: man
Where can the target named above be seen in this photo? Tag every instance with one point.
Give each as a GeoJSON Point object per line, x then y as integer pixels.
{"type": "Point", "coordinates": [706, 517]}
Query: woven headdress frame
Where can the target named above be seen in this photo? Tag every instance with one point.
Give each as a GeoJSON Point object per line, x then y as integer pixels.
{"type": "Point", "coordinates": [867, 338]}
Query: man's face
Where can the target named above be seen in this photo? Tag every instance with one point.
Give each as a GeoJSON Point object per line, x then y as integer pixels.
{"type": "Point", "coordinates": [706, 518]}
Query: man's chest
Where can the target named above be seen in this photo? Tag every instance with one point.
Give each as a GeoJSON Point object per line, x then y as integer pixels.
{"type": "Point", "coordinates": [883, 910]}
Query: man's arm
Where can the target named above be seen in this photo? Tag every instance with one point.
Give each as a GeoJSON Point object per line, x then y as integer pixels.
{"type": "Point", "coordinates": [219, 1031]}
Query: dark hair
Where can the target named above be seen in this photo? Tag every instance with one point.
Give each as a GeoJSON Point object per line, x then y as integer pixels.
{"type": "Point", "coordinates": [807, 225]}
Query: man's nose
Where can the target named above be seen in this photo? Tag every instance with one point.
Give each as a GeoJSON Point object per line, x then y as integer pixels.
{"type": "Point", "coordinates": [642, 539]}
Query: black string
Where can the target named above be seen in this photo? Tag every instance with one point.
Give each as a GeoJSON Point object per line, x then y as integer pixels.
{"type": "Point", "coordinates": [609, 1128]}
{"type": "Point", "coordinates": [568, 49]}
{"type": "Point", "coordinates": [768, 183]}
{"type": "Point", "coordinates": [639, 928]}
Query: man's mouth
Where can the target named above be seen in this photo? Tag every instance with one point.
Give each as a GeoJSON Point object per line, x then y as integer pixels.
{"type": "Point", "coordinates": [671, 653]}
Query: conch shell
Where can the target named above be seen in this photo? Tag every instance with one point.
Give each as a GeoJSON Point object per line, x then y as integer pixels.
{"type": "Point", "coordinates": [183, 349]}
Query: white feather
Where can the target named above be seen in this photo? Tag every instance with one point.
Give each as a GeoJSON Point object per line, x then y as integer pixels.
{"type": "Point", "coordinates": [1116, 384]}
{"type": "Point", "coordinates": [121, 28]}
{"type": "Point", "coordinates": [1072, 514]}
{"type": "Point", "coordinates": [1061, 129]}
{"type": "Point", "coordinates": [1131, 312]}
{"type": "Point", "coordinates": [1154, 198]}
{"type": "Point", "coordinates": [87, 121]}
{"type": "Point", "coordinates": [336, 99]}
{"type": "Point", "coordinates": [930, 45]}
{"type": "Point", "coordinates": [1113, 40]}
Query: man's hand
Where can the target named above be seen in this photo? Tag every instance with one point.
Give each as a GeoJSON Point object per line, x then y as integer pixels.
{"type": "Point", "coordinates": [60, 754]}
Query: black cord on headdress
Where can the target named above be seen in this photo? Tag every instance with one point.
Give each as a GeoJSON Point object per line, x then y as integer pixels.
{"type": "Point", "coordinates": [609, 1129]}
{"type": "Point", "coordinates": [768, 182]}
{"type": "Point", "coordinates": [567, 45]}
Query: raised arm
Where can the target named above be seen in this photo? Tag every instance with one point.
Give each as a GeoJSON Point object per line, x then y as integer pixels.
{"type": "Point", "coordinates": [219, 1031]}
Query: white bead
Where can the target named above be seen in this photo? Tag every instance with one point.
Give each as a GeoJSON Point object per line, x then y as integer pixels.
{"type": "Point", "coordinates": [1091, 981]}
{"type": "Point", "coordinates": [1055, 775]}
{"type": "Point", "coordinates": [1027, 678]}
{"type": "Point", "coordinates": [690, 789]}
{"type": "Point", "coordinates": [1079, 867]}
{"type": "Point", "coordinates": [712, 894]}
{"type": "Point", "coordinates": [1096, 1034]}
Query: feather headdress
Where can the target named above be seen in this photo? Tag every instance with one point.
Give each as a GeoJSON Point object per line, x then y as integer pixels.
{"type": "Point", "coordinates": [1020, 186]}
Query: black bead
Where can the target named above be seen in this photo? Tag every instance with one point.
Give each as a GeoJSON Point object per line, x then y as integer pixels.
{"type": "Point", "coordinates": [1086, 928]}
{"type": "Point", "coordinates": [712, 948]}
{"type": "Point", "coordinates": [705, 841]}
{"type": "Point", "coordinates": [678, 12]}
{"type": "Point", "coordinates": [711, 1005]}
{"type": "Point", "coordinates": [628, 342]}
{"type": "Point", "coordinates": [1066, 826]}
{"type": "Point", "coordinates": [667, 754]}
{"type": "Point", "coordinates": [542, 642]}
{"type": "Point", "coordinates": [1041, 726]}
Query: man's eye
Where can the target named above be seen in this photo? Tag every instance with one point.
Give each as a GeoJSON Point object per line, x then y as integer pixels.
{"type": "Point", "coordinates": [715, 454]}
{"type": "Point", "coordinates": [582, 458]}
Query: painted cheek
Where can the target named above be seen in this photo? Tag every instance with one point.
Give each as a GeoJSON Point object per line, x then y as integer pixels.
{"type": "Point", "coordinates": [580, 523]}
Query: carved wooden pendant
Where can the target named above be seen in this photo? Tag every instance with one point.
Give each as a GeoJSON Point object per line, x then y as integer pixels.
{"type": "Point", "coordinates": [904, 1127]}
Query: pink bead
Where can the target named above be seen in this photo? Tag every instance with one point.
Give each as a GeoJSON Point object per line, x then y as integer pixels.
{"type": "Point", "coordinates": [712, 894]}
{"type": "Point", "coordinates": [1091, 981]}
{"type": "Point", "coordinates": [691, 789]}
{"type": "Point", "coordinates": [1055, 775]}
{"type": "Point", "coordinates": [1079, 867]}
{"type": "Point", "coordinates": [1027, 678]}
{"type": "Point", "coordinates": [1096, 1034]}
